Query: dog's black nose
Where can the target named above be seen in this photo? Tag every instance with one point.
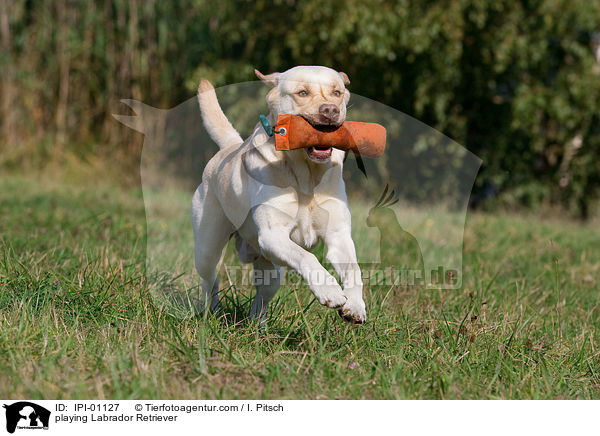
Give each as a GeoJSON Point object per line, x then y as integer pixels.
{"type": "Point", "coordinates": [330, 111]}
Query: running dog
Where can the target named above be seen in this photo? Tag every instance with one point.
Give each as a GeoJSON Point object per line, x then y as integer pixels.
{"type": "Point", "coordinates": [279, 204]}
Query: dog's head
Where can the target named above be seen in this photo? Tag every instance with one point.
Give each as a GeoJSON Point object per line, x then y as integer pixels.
{"type": "Point", "coordinates": [318, 94]}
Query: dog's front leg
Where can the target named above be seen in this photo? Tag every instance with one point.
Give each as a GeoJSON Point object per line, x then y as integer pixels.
{"type": "Point", "coordinates": [267, 281]}
{"type": "Point", "coordinates": [342, 255]}
{"type": "Point", "coordinates": [276, 245]}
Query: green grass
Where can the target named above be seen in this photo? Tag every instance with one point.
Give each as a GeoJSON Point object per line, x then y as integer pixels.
{"type": "Point", "coordinates": [77, 317]}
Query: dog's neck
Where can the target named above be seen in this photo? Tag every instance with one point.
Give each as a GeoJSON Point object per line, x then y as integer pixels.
{"type": "Point", "coordinates": [296, 163]}
{"type": "Point", "coordinates": [308, 174]}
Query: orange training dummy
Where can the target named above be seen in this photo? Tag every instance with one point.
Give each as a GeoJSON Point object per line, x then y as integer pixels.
{"type": "Point", "coordinates": [292, 132]}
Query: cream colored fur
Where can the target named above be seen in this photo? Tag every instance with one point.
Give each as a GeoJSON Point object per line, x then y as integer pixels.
{"type": "Point", "coordinates": [216, 123]}
{"type": "Point", "coordinates": [279, 204]}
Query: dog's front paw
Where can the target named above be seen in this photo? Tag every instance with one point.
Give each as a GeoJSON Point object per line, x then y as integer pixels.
{"type": "Point", "coordinates": [354, 311]}
{"type": "Point", "coordinates": [331, 296]}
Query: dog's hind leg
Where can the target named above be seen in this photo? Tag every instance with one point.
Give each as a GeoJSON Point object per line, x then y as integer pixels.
{"type": "Point", "coordinates": [267, 279]}
{"type": "Point", "coordinates": [212, 230]}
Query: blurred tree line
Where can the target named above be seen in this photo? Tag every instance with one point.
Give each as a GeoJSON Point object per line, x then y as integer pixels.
{"type": "Point", "coordinates": [515, 81]}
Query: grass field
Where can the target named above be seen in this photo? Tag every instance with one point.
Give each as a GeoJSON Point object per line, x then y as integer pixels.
{"type": "Point", "coordinates": [77, 319]}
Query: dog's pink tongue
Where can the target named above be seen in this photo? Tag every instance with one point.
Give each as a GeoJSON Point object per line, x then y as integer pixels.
{"type": "Point", "coordinates": [321, 153]}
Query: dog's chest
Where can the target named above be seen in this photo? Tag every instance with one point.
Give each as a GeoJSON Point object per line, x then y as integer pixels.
{"type": "Point", "coordinates": [309, 224]}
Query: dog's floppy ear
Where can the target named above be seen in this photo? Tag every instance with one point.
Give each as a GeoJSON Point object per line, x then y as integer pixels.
{"type": "Point", "coordinates": [270, 79]}
{"type": "Point", "coordinates": [344, 77]}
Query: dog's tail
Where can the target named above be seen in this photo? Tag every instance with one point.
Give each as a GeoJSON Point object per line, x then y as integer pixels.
{"type": "Point", "coordinates": [216, 123]}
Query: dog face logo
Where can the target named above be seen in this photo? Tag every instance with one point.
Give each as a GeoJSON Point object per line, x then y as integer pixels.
{"type": "Point", "coordinates": [26, 415]}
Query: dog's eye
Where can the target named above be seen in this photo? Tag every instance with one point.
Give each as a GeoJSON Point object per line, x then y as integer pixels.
{"type": "Point", "coordinates": [302, 93]}
{"type": "Point", "coordinates": [337, 93]}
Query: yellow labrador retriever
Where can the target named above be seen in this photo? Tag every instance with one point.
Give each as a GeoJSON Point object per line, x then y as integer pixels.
{"type": "Point", "coordinates": [279, 204]}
